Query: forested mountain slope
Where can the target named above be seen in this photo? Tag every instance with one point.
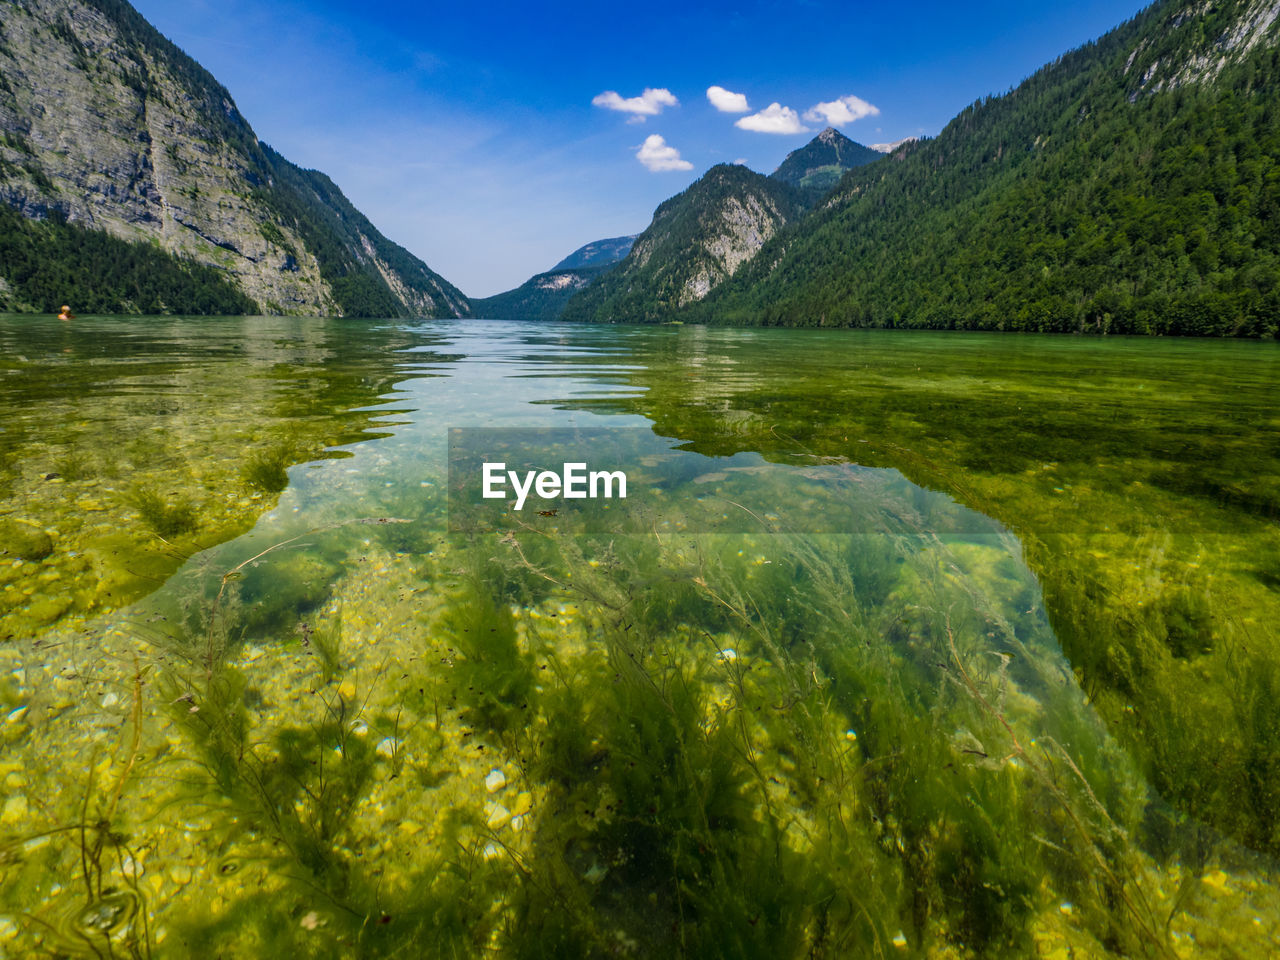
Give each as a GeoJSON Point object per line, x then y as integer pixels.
{"type": "Point", "coordinates": [1132, 186]}
{"type": "Point", "coordinates": [598, 253]}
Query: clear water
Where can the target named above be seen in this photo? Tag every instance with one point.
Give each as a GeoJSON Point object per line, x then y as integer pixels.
{"type": "Point", "coordinates": [918, 645]}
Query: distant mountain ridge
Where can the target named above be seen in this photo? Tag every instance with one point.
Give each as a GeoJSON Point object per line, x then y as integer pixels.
{"type": "Point", "coordinates": [107, 125]}
{"type": "Point", "coordinates": [598, 253]}
{"type": "Point", "coordinates": [702, 237]}
{"type": "Point", "coordinates": [543, 296]}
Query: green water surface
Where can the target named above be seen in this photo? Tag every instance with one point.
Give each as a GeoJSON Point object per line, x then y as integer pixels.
{"type": "Point", "coordinates": [918, 644]}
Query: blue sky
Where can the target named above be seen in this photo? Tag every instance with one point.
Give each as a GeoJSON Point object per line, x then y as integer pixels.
{"type": "Point", "coordinates": [467, 131]}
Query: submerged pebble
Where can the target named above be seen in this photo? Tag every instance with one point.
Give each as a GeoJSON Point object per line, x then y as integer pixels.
{"type": "Point", "coordinates": [496, 815]}
{"type": "Point", "coordinates": [131, 868]}
{"type": "Point", "coordinates": [495, 781]}
{"type": "Point", "coordinates": [102, 916]}
{"type": "Point", "coordinates": [15, 810]}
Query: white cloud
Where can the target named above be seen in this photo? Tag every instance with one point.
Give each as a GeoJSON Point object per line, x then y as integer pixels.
{"type": "Point", "coordinates": [842, 111]}
{"type": "Point", "coordinates": [890, 147]}
{"type": "Point", "coordinates": [648, 104]}
{"type": "Point", "coordinates": [657, 155]}
{"type": "Point", "coordinates": [774, 118]}
{"type": "Point", "coordinates": [726, 101]}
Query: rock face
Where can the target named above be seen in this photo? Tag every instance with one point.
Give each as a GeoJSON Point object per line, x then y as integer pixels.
{"type": "Point", "coordinates": [697, 240]}
{"type": "Point", "coordinates": [1153, 69]}
{"type": "Point", "coordinates": [105, 122]}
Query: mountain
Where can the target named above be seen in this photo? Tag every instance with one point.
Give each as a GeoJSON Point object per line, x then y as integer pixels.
{"type": "Point", "coordinates": [598, 253]}
{"type": "Point", "coordinates": [543, 296]}
{"type": "Point", "coordinates": [1131, 186]}
{"type": "Point", "coordinates": [697, 240]}
{"type": "Point", "coordinates": [141, 188]}
{"type": "Point", "coordinates": [820, 163]}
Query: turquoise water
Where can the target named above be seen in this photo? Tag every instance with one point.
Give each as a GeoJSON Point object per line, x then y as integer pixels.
{"type": "Point", "coordinates": [900, 644]}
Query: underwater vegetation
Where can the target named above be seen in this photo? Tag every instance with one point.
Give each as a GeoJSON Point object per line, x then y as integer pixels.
{"type": "Point", "coordinates": [167, 516]}
{"type": "Point", "coordinates": [350, 732]}
{"type": "Point", "coordinates": [266, 470]}
{"type": "Point", "coordinates": [538, 745]}
{"type": "Point", "coordinates": [1143, 484]}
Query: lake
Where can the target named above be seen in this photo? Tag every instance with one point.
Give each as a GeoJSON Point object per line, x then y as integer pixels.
{"type": "Point", "coordinates": [918, 644]}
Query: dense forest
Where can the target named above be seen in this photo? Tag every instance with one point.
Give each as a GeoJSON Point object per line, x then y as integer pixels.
{"type": "Point", "coordinates": [49, 262]}
{"type": "Point", "coordinates": [1132, 186]}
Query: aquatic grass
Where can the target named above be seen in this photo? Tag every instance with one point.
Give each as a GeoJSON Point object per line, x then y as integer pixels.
{"type": "Point", "coordinates": [1000, 924]}
{"type": "Point", "coordinates": [167, 516]}
{"type": "Point", "coordinates": [324, 636]}
{"type": "Point", "coordinates": [266, 470]}
{"type": "Point", "coordinates": [75, 465]}
{"type": "Point", "coordinates": [287, 792]}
